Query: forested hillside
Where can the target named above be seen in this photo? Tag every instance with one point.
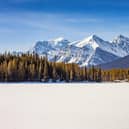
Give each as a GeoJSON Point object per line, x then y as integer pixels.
{"type": "Point", "coordinates": [31, 67]}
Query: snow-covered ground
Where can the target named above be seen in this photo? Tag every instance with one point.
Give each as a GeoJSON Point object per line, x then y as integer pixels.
{"type": "Point", "coordinates": [64, 106]}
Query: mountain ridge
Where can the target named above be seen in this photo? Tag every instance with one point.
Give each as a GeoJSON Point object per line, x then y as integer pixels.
{"type": "Point", "coordinates": [92, 50]}
{"type": "Point", "coordinates": [120, 63]}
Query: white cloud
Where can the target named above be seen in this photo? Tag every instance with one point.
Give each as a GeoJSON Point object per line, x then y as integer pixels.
{"type": "Point", "coordinates": [83, 20]}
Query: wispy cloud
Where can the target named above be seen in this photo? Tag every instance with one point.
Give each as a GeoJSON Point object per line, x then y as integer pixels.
{"type": "Point", "coordinates": [25, 20]}
{"type": "Point", "coordinates": [83, 20]}
{"type": "Point", "coordinates": [28, 27]}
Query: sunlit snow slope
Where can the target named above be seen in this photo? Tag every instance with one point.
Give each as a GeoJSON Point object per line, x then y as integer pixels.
{"type": "Point", "coordinates": [89, 51]}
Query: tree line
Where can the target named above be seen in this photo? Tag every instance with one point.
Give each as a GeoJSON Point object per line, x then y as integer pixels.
{"type": "Point", "coordinates": [31, 67]}
{"type": "Point", "coordinates": [115, 74]}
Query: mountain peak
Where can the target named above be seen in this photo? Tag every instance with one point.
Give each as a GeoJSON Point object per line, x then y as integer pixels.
{"type": "Point", "coordinates": [59, 39]}
{"type": "Point", "coordinates": [120, 38]}
{"type": "Point", "coordinates": [93, 36]}
{"type": "Point", "coordinates": [92, 40]}
{"type": "Point", "coordinates": [60, 42]}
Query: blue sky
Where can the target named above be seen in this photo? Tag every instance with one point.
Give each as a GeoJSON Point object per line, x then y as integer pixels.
{"type": "Point", "coordinates": [23, 22]}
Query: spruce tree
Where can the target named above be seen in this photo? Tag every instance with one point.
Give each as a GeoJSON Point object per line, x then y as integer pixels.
{"type": "Point", "coordinates": [45, 74]}
{"type": "Point", "coordinates": [54, 73]}
{"type": "Point", "coordinates": [71, 75]}
{"type": "Point", "coordinates": [21, 72]}
{"type": "Point", "coordinates": [99, 79]}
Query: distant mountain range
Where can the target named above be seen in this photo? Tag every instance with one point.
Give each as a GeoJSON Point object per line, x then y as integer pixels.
{"type": "Point", "coordinates": [89, 51]}
{"type": "Point", "coordinates": [119, 63]}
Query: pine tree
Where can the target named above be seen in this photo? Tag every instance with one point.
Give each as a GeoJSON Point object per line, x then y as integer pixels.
{"type": "Point", "coordinates": [99, 79]}
{"type": "Point", "coordinates": [32, 72]}
{"type": "Point", "coordinates": [45, 74]}
{"type": "Point", "coordinates": [54, 73]}
{"type": "Point", "coordinates": [40, 70]}
{"type": "Point", "coordinates": [5, 72]}
{"type": "Point", "coordinates": [84, 74]}
{"type": "Point", "coordinates": [21, 72]}
{"type": "Point", "coordinates": [71, 75]}
{"type": "Point", "coordinates": [9, 71]}
{"type": "Point", "coordinates": [66, 73]}
{"type": "Point", "coordinates": [93, 73]}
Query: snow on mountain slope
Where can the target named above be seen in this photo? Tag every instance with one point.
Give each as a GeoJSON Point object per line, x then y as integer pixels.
{"type": "Point", "coordinates": [92, 40]}
{"type": "Point", "coordinates": [119, 63]}
{"type": "Point", "coordinates": [122, 42]}
{"type": "Point", "coordinates": [100, 57]}
{"type": "Point", "coordinates": [44, 47]}
{"type": "Point", "coordinates": [90, 51]}
{"type": "Point", "coordinates": [60, 42]}
{"type": "Point", "coordinates": [96, 42]}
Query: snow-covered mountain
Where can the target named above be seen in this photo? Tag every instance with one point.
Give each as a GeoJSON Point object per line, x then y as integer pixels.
{"type": "Point", "coordinates": [60, 42]}
{"type": "Point", "coordinates": [44, 47]}
{"type": "Point", "coordinates": [89, 51]}
{"type": "Point", "coordinates": [116, 64]}
{"type": "Point", "coordinates": [122, 42]}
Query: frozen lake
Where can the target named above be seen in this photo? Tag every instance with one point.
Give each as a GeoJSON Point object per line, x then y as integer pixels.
{"type": "Point", "coordinates": [64, 106]}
